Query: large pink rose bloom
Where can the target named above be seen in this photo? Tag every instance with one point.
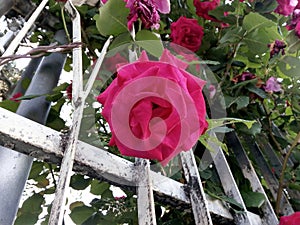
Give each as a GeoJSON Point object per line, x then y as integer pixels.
{"type": "Point", "coordinates": [155, 109]}
{"type": "Point", "coordinates": [286, 7]}
{"type": "Point", "coordinates": [293, 219]}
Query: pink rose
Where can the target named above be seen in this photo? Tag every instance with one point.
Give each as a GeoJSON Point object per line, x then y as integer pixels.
{"type": "Point", "coordinates": [187, 33]}
{"type": "Point", "coordinates": [203, 7]}
{"type": "Point", "coordinates": [293, 219]}
{"type": "Point", "coordinates": [155, 109]}
{"type": "Point", "coordinates": [286, 7]}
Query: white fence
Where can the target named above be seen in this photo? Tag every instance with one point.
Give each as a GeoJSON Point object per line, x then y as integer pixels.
{"type": "Point", "coordinates": [33, 139]}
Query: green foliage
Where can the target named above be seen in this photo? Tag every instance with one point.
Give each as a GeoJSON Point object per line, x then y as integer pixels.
{"type": "Point", "coordinates": [112, 18]}
{"type": "Point", "coordinates": [30, 210]}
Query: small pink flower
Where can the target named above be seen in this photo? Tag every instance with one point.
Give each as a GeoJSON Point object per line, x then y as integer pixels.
{"type": "Point", "coordinates": [120, 198]}
{"type": "Point", "coordinates": [286, 7]}
{"type": "Point", "coordinates": [147, 12]}
{"type": "Point", "coordinates": [16, 96]}
{"type": "Point", "coordinates": [243, 77]}
{"type": "Point", "coordinates": [293, 219]}
{"type": "Point", "coordinates": [272, 85]}
{"type": "Point", "coordinates": [276, 48]}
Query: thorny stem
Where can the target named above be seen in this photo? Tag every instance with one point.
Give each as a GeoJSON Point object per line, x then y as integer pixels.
{"type": "Point", "coordinates": [40, 51]}
{"type": "Point", "coordinates": [281, 179]}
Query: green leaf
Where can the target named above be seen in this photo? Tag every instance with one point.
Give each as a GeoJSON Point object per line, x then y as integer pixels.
{"type": "Point", "coordinates": [10, 105]}
{"type": "Point", "coordinates": [120, 40]}
{"type": "Point", "coordinates": [260, 32]}
{"type": "Point", "coordinates": [293, 42]}
{"type": "Point", "coordinates": [253, 199]}
{"type": "Point", "coordinates": [150, 42]}
{"type": "Point", "coordinates": [36, 169]}
{"type": "Point", "coordinates": [112, 18]}
{"type": "Point", "coordinates": [266, 6]}
{"type": "Point", "coordinates": [81, 214]}
{"type": "Point", "coordinates": [241, 101]}
{"type": "Point", "coordinates": [61, 87]}
{"type": "Point", "coordinates": [97, 188]}
{"type": "Point", "coordinates": [255, 21]}
{"type": "Point", "coordinates": [208, 141]}
{"type": "Point", "coordinates": [290, 66]}
{"type": "Point", "coordinates": [54, 97]}
{"type": "Point", "coordinates": [213, 123]}
{"type": "Point", "coordinates": [28, 97]}
{"type": "Point", "coordinates": [78, 182]}
{"type": "Point", "coordinates": [252, 88]}
{"type": "Point", "coordinates": [31, 209]}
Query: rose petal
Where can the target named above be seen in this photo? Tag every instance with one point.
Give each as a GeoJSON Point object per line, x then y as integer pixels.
{"type": "Point", "coordinates": [163, 6]}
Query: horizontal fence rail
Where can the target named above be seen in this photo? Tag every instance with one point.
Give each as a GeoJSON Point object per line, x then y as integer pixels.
{"type": "Point", "coordinates": [45, 144]}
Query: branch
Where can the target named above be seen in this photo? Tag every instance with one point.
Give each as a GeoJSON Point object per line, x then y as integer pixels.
{"type": "Point", "coordinates": [41, 51]}
{"type": "Point", "coordinates": [281, 180]}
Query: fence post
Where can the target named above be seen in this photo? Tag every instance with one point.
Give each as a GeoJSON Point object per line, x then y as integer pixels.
{"type": "Point", "coordinates": [15, 167]}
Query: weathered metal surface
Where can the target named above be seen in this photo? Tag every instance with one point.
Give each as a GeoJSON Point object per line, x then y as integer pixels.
{"type": "Point", "coordinates": [145, 199]}
{"type": "Point", "coordinates": [268, 215]}
{"type": "Point", "coordinates": [15, 167]}
{"type": "Point", "coordinates": [28, 137]}
{"type": "Point", "coordinates": [268, 175]}
{"type": "Point", "coordinates": [228, 183]}
{"type": "Point", "coordinates": [58, 205]}
{"type": "Point", "coordinates": [195, 189]}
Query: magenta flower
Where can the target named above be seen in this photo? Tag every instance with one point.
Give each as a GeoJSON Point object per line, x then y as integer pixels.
{"type": "Point", "coordinates": [293, 219]}
{"type": "Point", "coordinates": [203, 8]}
{"type": "Point", "coordinates": [272, 85]}
{"type": "Point", "coordinates": [286, 7]}
{"type": "Point", "coordinates": [16, 96]}
{"type": "Point", "coordinates": [147, 12]}
{"type": "Point", "coordinates": [187, 33]}
{"type": "Point", "coordinates": [150, 104]}
{"type": "Point", "coordinates": [277, 47]}
{"type": "Point", "coordinates": [243, 77]}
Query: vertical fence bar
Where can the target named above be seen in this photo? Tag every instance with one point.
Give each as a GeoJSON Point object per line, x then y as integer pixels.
{"type": "Point", "coordinates": [145, 199]}
{"type": "Point", "coordinates": [197, 195]}
{"type": "Point", "coordinates": [58, 205]}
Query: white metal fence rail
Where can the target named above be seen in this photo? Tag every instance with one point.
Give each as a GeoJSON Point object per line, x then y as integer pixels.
{"type": "Point", "coordinates": [46, 144]}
